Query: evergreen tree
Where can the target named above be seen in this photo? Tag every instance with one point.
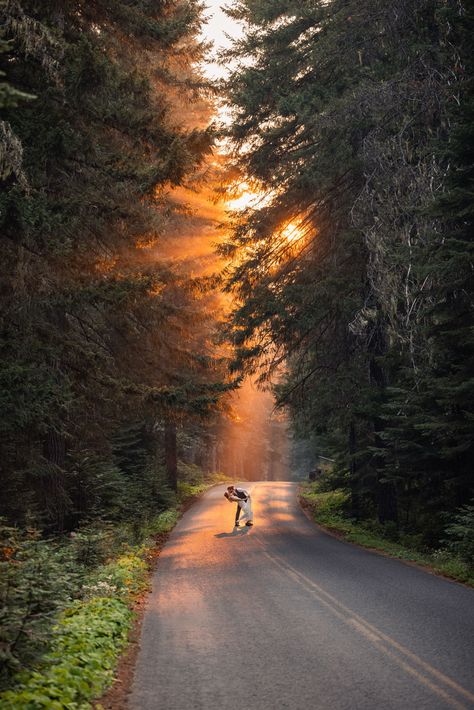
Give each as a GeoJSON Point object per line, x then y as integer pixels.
{"type": "Point", "coordinates": [432, 432]}
{"type": "Point", "coordinates": [327, 123]}
{"type": "Point", "coordinates": [93, 324]}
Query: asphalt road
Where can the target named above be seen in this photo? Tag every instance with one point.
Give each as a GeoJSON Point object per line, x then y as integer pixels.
{"type": "Point", "coordinates": [284, 616]}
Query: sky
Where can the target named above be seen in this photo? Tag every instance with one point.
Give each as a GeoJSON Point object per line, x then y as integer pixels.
{"type": "Point", "coordinates": [215, 31]}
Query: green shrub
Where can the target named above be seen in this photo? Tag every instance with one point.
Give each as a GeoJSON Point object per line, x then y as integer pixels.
{"type": "Point", "coordinates": [192, 478]}
{"type": "Point", "coordinates": [38, 578]}
{"type": "Point", "coordinates": [162, 523]}
{"type": "Point", "coordinates": [190, 473]}
{"type": "Point", "coordinates": [87, 641]}
{"type": "Point", "coordinates": [92, 544]}
{"type": "Point", "coordinates": [329, 479]}
{"type": "Point", "coordinates": [460, 534]}
{"type": "Point", "coordinates": [125, 578]}
{"type": "Point", "coordinates": [188, 490]}
{"type": "Point", "coordinates": [387, 531]}
{"type": "Point", "coordinates": [327, 502]}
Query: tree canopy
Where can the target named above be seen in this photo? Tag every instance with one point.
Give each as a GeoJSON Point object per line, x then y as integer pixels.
{"type": "Point", "coordinates": [98, 335]}
{"type": "Point", "coordinates": [351, 120]}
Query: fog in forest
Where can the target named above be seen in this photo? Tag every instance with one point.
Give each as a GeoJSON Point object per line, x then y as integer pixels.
{"type": "Point", "coordinates": [249, 440]}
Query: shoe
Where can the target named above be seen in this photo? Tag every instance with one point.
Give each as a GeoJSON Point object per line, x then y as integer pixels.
{"type": "Point", "coordinates": [237, 525]}
{"type": "Point", "coordinates": [249, 523]}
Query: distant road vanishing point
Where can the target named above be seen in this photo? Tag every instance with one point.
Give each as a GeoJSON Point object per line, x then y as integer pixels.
{"type": "Point", "coordinates": [284, 616]}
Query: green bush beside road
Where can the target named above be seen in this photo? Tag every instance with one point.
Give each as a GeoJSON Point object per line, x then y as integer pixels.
{"type": "Point", "coordinates": [85, 646]}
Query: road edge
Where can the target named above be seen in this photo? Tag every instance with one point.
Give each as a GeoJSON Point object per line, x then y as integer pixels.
{"type": "Point", "coordinates": [308, 511]}
{"type": "Point", "coordinates": [116, 696]}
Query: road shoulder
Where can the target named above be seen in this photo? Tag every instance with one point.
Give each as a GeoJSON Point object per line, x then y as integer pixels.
{"type": "Point", "coordinates": [381, 547]}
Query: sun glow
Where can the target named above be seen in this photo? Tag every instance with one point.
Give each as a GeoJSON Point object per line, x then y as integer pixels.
{"type": "Point", "coordinates": [246, 198]}
{"type": "Point", "coordinates": [292, 231]}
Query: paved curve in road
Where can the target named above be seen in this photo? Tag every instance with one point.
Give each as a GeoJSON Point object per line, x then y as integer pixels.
{"type": "Point", "coordinates": [285, 616]}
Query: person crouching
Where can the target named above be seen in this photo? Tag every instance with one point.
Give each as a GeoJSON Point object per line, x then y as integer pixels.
{"type": "Point", "coordinates": [244, 504]}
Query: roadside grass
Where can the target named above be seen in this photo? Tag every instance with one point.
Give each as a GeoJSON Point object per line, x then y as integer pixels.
{"type": "Point", "coordinates": [91, 628]}
{"type": "Point", "coordinates": [328, 510]}
{"type": "Point", "coordinates": [188, 491]}
{"type": "Point", "coordinates": [192, 484]}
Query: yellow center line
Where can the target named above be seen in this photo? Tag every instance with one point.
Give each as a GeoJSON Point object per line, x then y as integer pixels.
{"type": "Point", "coordinates": [374, 635]}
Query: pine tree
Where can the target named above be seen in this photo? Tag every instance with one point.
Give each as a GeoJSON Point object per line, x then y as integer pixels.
{"type": "Point", "coordinates": [93, 324]}
{"type": "Point", "coordinates": [433, 428]}
{"type": "Point", "coordinates": [327, 123]}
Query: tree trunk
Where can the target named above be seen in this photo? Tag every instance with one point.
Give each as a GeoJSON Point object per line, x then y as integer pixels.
{"type": "Point", "coordinates": [354, 484]}
{"type": "Point", "coordinates": [387, 508]}
{"type": "Point", "coordinates": [54, 449]}
{"type": "Point", "coordinates": [385, 491]}
{"type": "Point", "coordinates": [213, 457]}
{"type": "Point", "coordinates": [53, 491]}
{"type": "Point", "coordinates": [171, 455]}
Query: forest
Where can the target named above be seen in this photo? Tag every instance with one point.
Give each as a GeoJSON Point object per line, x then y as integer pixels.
{"type": "Point", "coordinates": [356, 272]}
{"type": "Point", "coordinates": [141, 310]}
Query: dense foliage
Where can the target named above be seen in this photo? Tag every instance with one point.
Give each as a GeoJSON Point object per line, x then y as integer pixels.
{"type": "Point", "coordinates": [106, 347]}
{"type": "Point", "coordinates": [66, 610]}
{"type": "Point", "coordinates": [353, 122]}
{"type": "Point", "coordinates": [86, 645]}
{"type": "Point", "coordinates": [46, 580]}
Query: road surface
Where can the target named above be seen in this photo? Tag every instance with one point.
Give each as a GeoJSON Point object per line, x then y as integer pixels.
{"type": "Point", "coordinates": [285, 616]}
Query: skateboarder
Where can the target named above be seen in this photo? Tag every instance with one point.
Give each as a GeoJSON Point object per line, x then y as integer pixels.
{"type": "Point", "coordinates": [244, 503]}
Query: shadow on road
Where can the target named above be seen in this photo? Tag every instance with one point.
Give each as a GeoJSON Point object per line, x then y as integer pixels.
{"type": "Point", "coordinates": [236, 532]}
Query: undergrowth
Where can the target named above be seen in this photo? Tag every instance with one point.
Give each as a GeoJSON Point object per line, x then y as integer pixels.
{"type": "Point", "coordinates": [66, 607]}
{"type": "Point", "coordinates": [85, 645]}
